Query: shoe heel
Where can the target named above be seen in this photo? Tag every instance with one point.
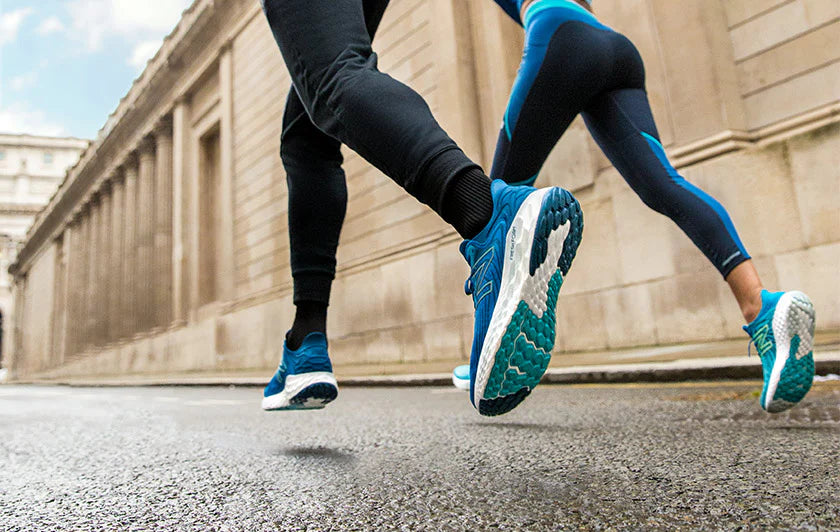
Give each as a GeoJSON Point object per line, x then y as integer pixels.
{"type": "Point", "coordinates": [315, 396]}
{"type": "Point", "coordinates": [801, 319]}
{"type": "Point", "coordinates": [559, 207]}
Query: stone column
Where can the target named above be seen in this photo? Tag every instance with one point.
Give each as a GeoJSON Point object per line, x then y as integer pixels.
{"type": "Point", "coordinates": [63, 297]}
{"type": "Point", "coordinates": [180, 211]}
{"type": "Point", "coordinates": [95, 308]}
{"type": "Point", "coordinates": [15, 358]}
{"type": "Point", "coordinates": [71, 250]}
{"type": "Point", "coordinates": [163, 227]}
{"type": "Point", "coordinates": [225, 273]}
{"type": "Point", "coordinates": [145, 225]}
{"type": "Point", "coordinates": [77, 290]}
{"type": "Point", "coordinates": [103, 261]}
{"type": "Point", "coordinates": [129, 262]}
{"type": "Point", "coordinates": [91, 307]}
{"type": "Point", "coordinates": [74, 285]}
{"type": "Point", "coordinates": [115, 261]}
{"type": "Point", "coordinates": [83, 279]}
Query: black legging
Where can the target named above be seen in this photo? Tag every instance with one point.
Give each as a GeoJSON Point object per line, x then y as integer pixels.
{"type": "Point", "coordinates": [574, 65]}
{"type": "Point", "coordinates": [339, 96]}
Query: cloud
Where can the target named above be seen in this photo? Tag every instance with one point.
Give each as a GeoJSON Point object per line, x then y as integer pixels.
{"type": "Point", "coordinates": [10, 24]}
{"type": "Point", "coordinates": [93, 21]}
{"type": "Point", "coordinates": [50, 25]}
{"type": "Point", "coordinates": [142, 52]}
{"type": "Point", "coordinates": [20, 118]}
{"type": "Point", "coordinates": [23, 81]}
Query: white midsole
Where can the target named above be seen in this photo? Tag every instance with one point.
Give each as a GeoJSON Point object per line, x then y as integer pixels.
{"type": "Point", "coordinates": [517, 282]}
{"type": "Point", "coordinates": [783, 336]}
{"type": "Point", "coordinates": [461, 384]}
{"type": "Point", "coordinates": [296, 384]}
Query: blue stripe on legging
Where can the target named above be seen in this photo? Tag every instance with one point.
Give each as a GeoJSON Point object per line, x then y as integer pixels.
{"type": "Point", "coordinates": [659, 151]}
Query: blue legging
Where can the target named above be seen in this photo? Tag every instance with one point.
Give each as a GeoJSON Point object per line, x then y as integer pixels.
{"type": "Point", "coordinates": [573, 64]}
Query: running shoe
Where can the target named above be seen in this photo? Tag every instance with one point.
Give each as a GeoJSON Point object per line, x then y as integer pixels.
{"type": "Point", "coordinates": [518, 262]}
{"type": "Point", "coordinates": [304, 380]}
{"type": "Point", "coordinates": [461, 377]}
{"type": "Point", "coordinates": [783, 334]}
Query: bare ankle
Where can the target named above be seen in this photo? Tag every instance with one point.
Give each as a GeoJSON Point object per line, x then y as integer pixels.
{"type": "Point", "coordinates": [746, 287]}
{"type": "Point", "coordinates": [750, 308]}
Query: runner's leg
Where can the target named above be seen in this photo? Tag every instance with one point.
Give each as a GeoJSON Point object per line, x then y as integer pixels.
{"type": "Point", "coordinates": [327, 49]}
{"type": "Point", "coordinates": [317, 204]}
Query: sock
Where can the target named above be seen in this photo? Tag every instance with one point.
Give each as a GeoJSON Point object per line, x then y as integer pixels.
{"type": "Point", "coordinates": [468, 204]}
{"type": "Point", "coordinates": [310, 316]}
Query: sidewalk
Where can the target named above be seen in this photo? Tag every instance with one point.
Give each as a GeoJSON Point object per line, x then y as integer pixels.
{"type": "Point", "coordinates": [726, 360]}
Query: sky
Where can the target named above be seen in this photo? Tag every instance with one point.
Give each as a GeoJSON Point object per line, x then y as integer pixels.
{"type": "Point", "coordinates": [65, 64]}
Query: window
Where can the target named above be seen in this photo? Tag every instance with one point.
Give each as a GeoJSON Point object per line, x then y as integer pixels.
{"type": "Point", "coordinates": [48, 158]}
{"type": "Point", "coordinates": [208, 208]}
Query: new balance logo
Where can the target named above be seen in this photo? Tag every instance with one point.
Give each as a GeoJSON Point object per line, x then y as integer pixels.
{"type": "Point", "coordinates": [763, 344]}
{"type": "Point", "coordinates": [512, 244]}
{"type": "Point", "coordinates": [482, 287]}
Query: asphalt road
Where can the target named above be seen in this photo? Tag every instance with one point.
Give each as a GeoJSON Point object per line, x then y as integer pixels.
{"type": "Point", "coordinates": [696, 456]}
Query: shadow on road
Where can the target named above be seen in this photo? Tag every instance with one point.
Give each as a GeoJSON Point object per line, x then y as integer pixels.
{"type": "Point", "coordinates": [317, 453]}
{"type": "Point", "coordinates": [803, 428]}
{"type": "Point", "coordinates": [535, 427]}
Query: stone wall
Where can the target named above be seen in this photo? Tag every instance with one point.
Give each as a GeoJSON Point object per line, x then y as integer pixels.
{"type": "Point", "coordinates": [180, 290]}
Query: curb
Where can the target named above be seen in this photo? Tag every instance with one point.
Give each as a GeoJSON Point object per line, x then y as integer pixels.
{"type": "Point", "coordinates": [648, 373]}
{"type": "Point", "coordinates": [728, 368]}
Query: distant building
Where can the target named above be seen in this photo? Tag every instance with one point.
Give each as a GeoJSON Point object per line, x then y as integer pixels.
{"type": "Point", "coordinates": [31, 168]}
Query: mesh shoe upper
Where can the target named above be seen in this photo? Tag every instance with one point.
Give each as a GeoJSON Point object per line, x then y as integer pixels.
{"type": "Point", "coordinates": [485, 255]}
{"type": "Point", "coordinates": [311, 356]}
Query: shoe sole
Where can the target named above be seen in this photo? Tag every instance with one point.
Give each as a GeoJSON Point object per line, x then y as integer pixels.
{"type": "Point", "coordinates": [539, 248]}
{"type": "Point", "coordinates": [793, 370]}
{"type": "Point", "coordinates": [307, 391]}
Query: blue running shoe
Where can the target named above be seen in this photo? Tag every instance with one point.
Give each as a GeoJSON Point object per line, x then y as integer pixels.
{"type": "Point", "coordinates": [783, 334]}
{"type": "Point", "coordinates": [461, 377]}
{"type": "Point", "coordinates": [518, 263]}
{"type": "Point", "coordinates": [304, 380]}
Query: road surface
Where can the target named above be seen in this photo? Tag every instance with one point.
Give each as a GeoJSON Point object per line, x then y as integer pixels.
{"type": "Point", "coordinates": [687, 456]}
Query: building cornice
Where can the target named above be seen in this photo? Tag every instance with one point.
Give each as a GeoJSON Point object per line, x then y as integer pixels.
{"type": "Point", "coordinates": [105, 154]}
{"type": "Point", "coordinates": [37, 141]}
{"type": "Point", "coordinates": [20, 208]}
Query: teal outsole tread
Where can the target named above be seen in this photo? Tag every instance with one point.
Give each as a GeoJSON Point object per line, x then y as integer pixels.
{"type": "Point", "coordinates": [795, 380]}
{"type": "Point", "coordinates": [320, 391]}
{"type": "Point", "coordinates": [525, 350]}
{"type": "Point", "coordinates": [524, 353]}
{"type": "Point", "coordinates": [797, 375]}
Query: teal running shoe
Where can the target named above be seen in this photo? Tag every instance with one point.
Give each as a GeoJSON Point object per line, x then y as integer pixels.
{"type": "Point", "coordinates": [461, 377]}
{"type": "Point", "coordinates": [518, 262]}
{"type": "Point", "coordinates": [304, 380]}
{"type": "Point", "coordinates": [783, 334]}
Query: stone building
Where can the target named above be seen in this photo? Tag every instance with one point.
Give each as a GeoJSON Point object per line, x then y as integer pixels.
{"type": "Point", "coordinates": [31, 168]}
{"type": "Point", "coordinates": [166, 248]}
